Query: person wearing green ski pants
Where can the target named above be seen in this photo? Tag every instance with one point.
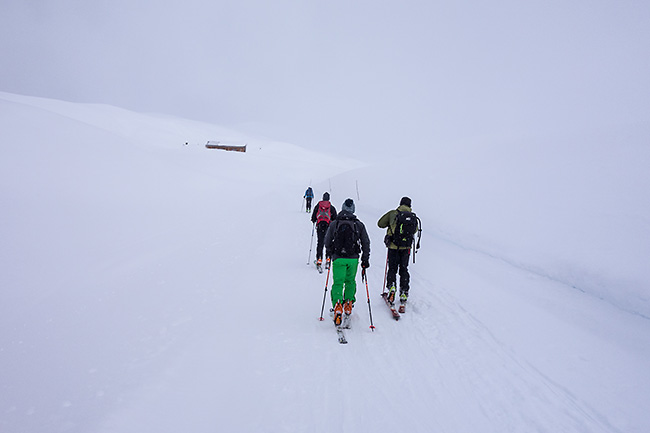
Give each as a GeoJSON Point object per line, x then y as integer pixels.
{"type": "Point", "coordinates": [344, 273]}
{"type": "Point", "coordinates": [346, 239]}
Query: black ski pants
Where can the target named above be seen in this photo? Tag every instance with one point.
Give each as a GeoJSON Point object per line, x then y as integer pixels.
{"type": "Point", "coordinates": [308, 204]}
{"type": "Point", "coordinates": [398, 260]}
{"type": "Point", "coordinates": [321, 229]}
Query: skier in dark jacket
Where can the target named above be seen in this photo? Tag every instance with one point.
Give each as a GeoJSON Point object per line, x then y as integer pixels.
{"type": "Point", "coordinates": [324, 213]}
{"type": "Point", "coordinates": [309, 195]}
{"type": "Point", "coordinates": [345, 240]}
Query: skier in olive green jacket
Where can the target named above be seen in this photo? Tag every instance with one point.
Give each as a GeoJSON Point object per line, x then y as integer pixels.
{"type": "Point", "coordinates": [398, 257]}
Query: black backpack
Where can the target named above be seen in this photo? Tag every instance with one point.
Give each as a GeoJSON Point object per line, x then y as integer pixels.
{"type": "Point", "coordinates": [406, 225]}
{"type": "Point", "coordinates": [346, 240]}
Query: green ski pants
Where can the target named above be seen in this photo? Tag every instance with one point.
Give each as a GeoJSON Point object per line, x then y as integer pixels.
{"type": "Point", "coordinates": [344, 284]}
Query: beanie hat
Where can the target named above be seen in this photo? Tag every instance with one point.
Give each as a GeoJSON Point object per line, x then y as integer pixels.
{"type": "Point", "coordinates": [405, 201]}
{"type": "Point", "coordinates": [348, 205]}
{"type": "Point", "coordinates": [326, 196]}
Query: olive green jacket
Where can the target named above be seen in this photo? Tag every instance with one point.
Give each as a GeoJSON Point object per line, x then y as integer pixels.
{"type": "Point", "coordinates": [387, 221]}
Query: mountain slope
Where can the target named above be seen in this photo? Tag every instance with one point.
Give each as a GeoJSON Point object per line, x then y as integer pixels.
{"type": "Point", "coordinates": [153, 286]}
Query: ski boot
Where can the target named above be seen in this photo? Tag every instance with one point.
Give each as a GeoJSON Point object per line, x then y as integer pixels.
{"type": "Point", "coordinates": [347, 313]}
{"type": "Point", "coordinates": [338, 314]}
{"type": "Point", "coordinates": [391, 294]}
{"type": "Point", "coordinates": [403, 297]}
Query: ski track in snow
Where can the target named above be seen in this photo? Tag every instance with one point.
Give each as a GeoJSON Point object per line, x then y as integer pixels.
{"type": "Point", "coordinates": [420, 372]}
{"type": "Point", "coordinates": [509, 393]}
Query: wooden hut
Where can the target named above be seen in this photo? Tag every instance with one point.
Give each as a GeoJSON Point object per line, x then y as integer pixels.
{"type": "Point", "coordinates": [226, 146]}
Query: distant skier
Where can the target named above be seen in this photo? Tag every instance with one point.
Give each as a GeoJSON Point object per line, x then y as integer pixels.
{"type": "Point", "coordinates": [324, 213]}
{"type": "Point", "coordinates": [309, 195]}
{"type": "Point", "coordinates": [401, 225]}
{"type": "Point", "coordinates": [345, 240]}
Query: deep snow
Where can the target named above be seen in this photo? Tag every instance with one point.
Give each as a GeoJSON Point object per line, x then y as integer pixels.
{"type": "Point", "coordinates": [150, 285]}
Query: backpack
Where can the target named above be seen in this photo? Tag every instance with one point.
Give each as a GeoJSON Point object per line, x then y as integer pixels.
{"type": "Point", "coordinates": [346, 240]}
{"type": "Point", "coordinates": [406, 225]}
{"type": "Point", "coordinates": [324, 212]}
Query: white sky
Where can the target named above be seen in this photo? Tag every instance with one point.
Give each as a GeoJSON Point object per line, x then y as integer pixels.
{"type": "Point", "coordinates": [379, 71]}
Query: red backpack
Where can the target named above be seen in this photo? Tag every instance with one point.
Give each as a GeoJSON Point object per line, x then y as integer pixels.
{"type": "Point", "coordinates": [324, 213]}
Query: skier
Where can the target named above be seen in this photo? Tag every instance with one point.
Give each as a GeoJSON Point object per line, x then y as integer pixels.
{"type": "Point", "coordinates": [309, 195]}
{"type": "Point", "coordinates": [324, 213]}
{"type": "Point", "coordinates": [345, 239]}
{"type": "Point", "coordinates": [401, 225]}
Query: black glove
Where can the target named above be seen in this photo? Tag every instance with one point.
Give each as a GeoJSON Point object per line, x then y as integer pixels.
{"type": "Point", "coordinates": [365, 264]}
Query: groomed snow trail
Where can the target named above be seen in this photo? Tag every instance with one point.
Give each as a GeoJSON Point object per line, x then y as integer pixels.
{"type": "Point", "coordinates": [438, 367]}
{"type": "Point", "coordinates": [269, 364]}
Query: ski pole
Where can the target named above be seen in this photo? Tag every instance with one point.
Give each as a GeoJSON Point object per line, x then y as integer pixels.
{"type": "Point", "coordinates": [414, 250]}
{"type": "Point", "coordinates": [322, 308]}
{"type": "Point", "coordinates": [303, 203]}
{"type": "Point", "coordinates": [311, 243]}
{"type": "Point", "coordinates": [365, 277]}
{"type": "Point", "coordinates": [417, 247]}
{"type": "Point", "coordinates": [383, 289]}
{"type": "Point", "coordinates": [412, 247]}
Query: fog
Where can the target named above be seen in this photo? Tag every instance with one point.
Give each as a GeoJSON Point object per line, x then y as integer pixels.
{"type": "Point", "coordinates": [355, 76]}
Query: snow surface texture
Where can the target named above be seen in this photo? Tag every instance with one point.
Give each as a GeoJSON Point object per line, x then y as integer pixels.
{"type": "Point", "coordinates": [149, 285]}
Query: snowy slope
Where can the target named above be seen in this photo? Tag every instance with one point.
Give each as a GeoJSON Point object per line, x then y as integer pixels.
{"type": "Point", "coordinates": [152, 286]}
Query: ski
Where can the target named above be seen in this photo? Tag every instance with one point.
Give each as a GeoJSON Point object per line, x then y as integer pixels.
{"type": "Point", "coordinates": [319, 268]}
{"type": "Point", "coordinates": [402, 308]}
{"type": "Point", "coordinates": [347, 319]}
{"type": "Point", "coordinates": [341, 335]}
{"type": "Point", "coordinates": [393, 311]}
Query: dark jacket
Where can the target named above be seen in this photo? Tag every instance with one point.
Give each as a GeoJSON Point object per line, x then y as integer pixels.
{"type": "Point", "coordinates": [387, 221]}
{"type": "Point", "coordinates": [363, 237]}
{"type": "Point", "coordinates": [314, 214]}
